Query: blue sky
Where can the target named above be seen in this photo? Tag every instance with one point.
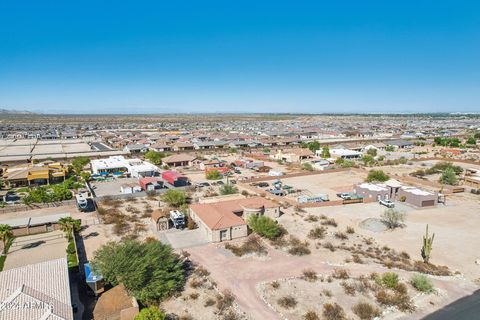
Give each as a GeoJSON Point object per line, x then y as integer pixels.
{"type": "Point", "coordinates": [240, 56]}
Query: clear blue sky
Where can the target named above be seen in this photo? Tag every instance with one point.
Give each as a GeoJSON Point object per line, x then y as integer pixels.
{"type": "Point", "coordinates": [240, 56]}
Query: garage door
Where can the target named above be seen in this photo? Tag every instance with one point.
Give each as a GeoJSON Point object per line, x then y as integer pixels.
{"type": "Point", "coordinates": [428, 203]}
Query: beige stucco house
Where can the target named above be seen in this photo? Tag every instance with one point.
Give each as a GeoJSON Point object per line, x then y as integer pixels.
{"type": "Point", "coordinates": [225, 220]}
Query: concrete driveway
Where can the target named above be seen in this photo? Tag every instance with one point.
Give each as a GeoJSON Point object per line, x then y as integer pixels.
{"type": "Point", "coordinates": [181, 239]}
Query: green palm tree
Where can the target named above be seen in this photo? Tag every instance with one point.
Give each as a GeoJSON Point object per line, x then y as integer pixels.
{"type": "Point", "coordinates": [5, 235]}
{"type": "Point", "coordinates": [69, 225]}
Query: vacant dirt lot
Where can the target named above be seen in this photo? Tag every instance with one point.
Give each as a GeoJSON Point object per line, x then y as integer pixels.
{"type": "Point", "coordinates": [328, 183]}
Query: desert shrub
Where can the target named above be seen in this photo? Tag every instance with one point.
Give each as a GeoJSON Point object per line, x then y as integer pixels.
{"type": "Point", "coordinates": [327, 293]}
{"type": "Point", "coordinates": [341, 236]}
{"type": "Point", "coordinates": [194, 295]}
{"type": "Point", "coordinates": [333, 311]}
{"type": "Point", "coordinates": [275, 284]}
{"type": "Point", "coordinates": [350, 230]}
{"type": "Point", "coordinates": [310, 275]}
{"type": "Point", "coordinates": [404, 255]}
{"type": "Point", "coordinates": [209, 302]}
{"type": "Point", "coordinates": [311, 315]}
{"type": "Point", "coordinates": [329, 246]}
{"type": "Point", "coordinates": [201, 271]}
{"type": "Point", "coordinates": [340, 274]}
{"type": "Point", "coordinates": [357, 259]}
{"type": "Point", "coordinates": [393, 218]}
{"type": "Point", "coordinates": [252, 245]}
{"type": "Point", "coordinates": [317, 233]}
{"type": "Point", "coordinates": [390, 280]}
{"type": "Point", "coordinates": [366, 311]}
{"type": "Point", "coordinates": [348, 288]}
{"type": "Point", "coordinates": [377, 176]}
{"type": "Point", "coordinates": [432, 269]}
{"type": "Point", "coordinates": [225, 300]}
{"type": "Point", "coordinates": [401, 288]}
{"type": "Point", "coordinates": [311, 218]}
{"type": "Point", "coordinates": [196, 283]}
{"type": "Point", "coordinates": [264, 226]}
{"type": "Point", "coordinates": [330, 222]}
{"type": "Point", "coordinates": [421, 283]}
{"type": "Point", "coordinates": [300, 249]}
{"type": "Point", "coordinates": [402, 302]}
{"type": "Point", "coordinates": [287, 302]}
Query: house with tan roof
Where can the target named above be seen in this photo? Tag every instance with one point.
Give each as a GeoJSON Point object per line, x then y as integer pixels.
{"type": "Point", "coordinates": [293, 155]}
{"type": "Point", "coordinates": [179, 160]}
{"type": "Point", "coordinates": [226, 220]}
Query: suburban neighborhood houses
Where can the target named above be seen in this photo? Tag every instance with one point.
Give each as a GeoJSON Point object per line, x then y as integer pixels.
{"type": "Point", "coordinates": [254, 217]}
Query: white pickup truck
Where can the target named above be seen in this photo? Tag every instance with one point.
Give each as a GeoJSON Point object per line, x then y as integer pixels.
{"type": "Point", "coordinates": [387, 203]}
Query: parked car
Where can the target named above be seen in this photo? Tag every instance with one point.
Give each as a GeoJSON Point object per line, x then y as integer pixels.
{"type": "Point", "coordinates": [387, 203]}
{"type": "Point", "coordinates": [344, 195]}
{"type": "Point", "coordinates": [203, 184]}
{"type": "Point", "coordinates": [262, 184]}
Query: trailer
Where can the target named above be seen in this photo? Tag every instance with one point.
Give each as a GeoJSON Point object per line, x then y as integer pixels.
{"type": "Point", "coordinates": [312, 199]}
{"type": "Point", "coordinates": [178, 219]}
{"type": "Point", "coordinates": [85, 202]}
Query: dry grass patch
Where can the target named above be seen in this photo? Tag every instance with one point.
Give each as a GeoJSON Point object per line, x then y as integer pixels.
{"type": "Point", "coordinates": [287, 302]}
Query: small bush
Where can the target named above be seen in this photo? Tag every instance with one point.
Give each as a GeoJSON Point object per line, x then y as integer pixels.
{"type": "Point", "coordinates": [275, 285]}
{"type": "Point", "coordinates": [311, 315]}
{"type": "Point", "coordinates": [333, 312]}
{"type": "Point", "coordinates": [350, 230]}
{"type": "Point", "coordinates": [366, 311]}
{"type": "Point", "coordinates": [317, 233]}
{"type": "Point", "coordinates": [341, 236]}
{"type": "Point", "coordinates": [310, 275]}
{"type": "Point", "coordinates": [340, 274]}
{"type": "Point", "coordinates": [330, 222]}
{"type": "Point", "coordinates": [348, 288]}
{"type": "Point", "coordinates": [225, 300]}
{"type": "Point", "coordinates": [311, 218]}
{"type": "Point", "coordinates": [287, 302]}
{"type": "Point", "coordinates": [421, 283]}
{"type": "Point", "coordinates": [390, 280]}
{"type": "Point", "coordinates": [329, 246]}
{"type": "Point", "coordinates": [202, 272]}
{"type": "Point", "coordinates": [393, 218]}
{"type": "Point", "coordinates": [194, 296]}
{"type": "Point", "coordinates": [209, 302]}
{"type": "Point", "coordinates": [327, 293]}
{"type": "Point", "coordinates": [264, 226]}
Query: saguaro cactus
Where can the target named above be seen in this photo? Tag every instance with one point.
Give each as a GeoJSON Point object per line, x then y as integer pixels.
{"type": "Point", "coordinates": [427, 246]}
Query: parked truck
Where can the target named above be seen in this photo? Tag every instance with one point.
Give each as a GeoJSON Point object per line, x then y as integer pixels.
{"type": "Point", "coordinates": [178, 219]}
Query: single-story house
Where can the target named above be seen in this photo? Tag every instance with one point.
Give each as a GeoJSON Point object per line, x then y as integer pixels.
{"type": "Point", "coordinates": [395, 191]}
{"type": "Point", "coordinates": [342, 153]}
{"type": "Point", "coordinates": [225, 220]}
{"type": "Point", "coordinates": [179, 160]}
{"type": "Point", "coordinates": [293, 155]}
{"type": "Point", "coordinates": [36, 291]}
{"type": "Point", "coordinates": [400, 144]}
{"type": "Point", "coordinates": [135, 148]}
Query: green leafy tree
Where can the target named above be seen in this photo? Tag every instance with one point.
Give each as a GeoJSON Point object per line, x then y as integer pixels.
{"type": "Point", "coordinates": [154, 156]}
{"type": "Point", "coordinates": [5, 235]}
{"type": "Point", "coordinates": [326, 152]}
{"type": "Point", "coordinates": [228, 189]}
{"type": "Point", "coordinates": [368, 160]}
{"type": "Point", "coordinates": [313, 146]}
{"type": "Point", "coordinates": [69, 225]}
{"type": "Point", "coordinates": [150, 270]}
{"type": "Point", "coordinates": [78, 163]}
{"type": "Point", "coordinates": [213, 175]}
{"type": "Point", "coordinates": [389, 148]}
{"type": "Point", "coordinates": [174, 198]}
{"type": "Point", "coordinates": [377, 176]}
{"type": "Point", "coordinates": [471, 141]}
{"type": "Point", "coordinates": [372, 152]}
{"type": "Point", "coordinates": [307, 166]}
{"type": "Point", "coordinates": [449, 177]}
{"type": "Point", "coordinates": [264, 226]}
{"type": "Point", "coordinates": [150, 313]}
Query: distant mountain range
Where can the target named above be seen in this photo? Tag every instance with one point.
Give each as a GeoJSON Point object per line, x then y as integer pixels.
{"type": "Point", "coordinates": [9, 111]}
